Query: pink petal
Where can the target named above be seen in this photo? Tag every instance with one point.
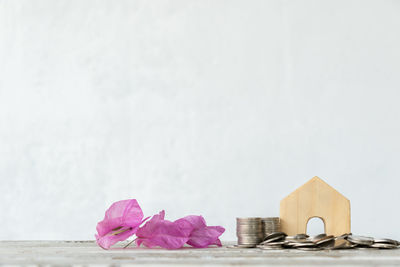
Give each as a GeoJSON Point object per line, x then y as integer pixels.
{"type": "Point", "coordinates": [108, 240]}
{"type": "Point", "coordinates": [122, 215]}
{"type": "Point", "coordinates": [203, 235]}
{"type": "Point", "coordinates": [195, 220]}
{"type": "Point", "coordinates": [163, 233]}
{"type": "Point", "coordinates": [218, 243]}
{"type": "Point", "coordinates": [206, 236]}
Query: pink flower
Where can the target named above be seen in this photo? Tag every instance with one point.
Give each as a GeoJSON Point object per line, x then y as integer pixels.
{"type": "Point", "coordinates": [159, 232]}
{"type": "Point", "coordinates": [172, 235]}
{"type": "Point", "coordinates": [202, 235]}
{"type": "Point", "coordinates": [121, 221]}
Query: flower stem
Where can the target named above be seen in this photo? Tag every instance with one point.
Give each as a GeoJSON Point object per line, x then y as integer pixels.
{"type": "Point", "coordinates": [130, 243]}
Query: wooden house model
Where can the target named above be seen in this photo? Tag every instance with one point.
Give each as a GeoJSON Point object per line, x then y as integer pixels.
{"type": "Point", "coordinates": [315, 199]}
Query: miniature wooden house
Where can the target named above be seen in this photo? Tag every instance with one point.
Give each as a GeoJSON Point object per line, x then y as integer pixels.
{"type": "Point", "coordinates": [315, 199]}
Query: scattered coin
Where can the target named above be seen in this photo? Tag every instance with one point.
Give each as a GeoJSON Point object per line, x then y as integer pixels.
{"type": "Point", "coordinates": [325, 241]}
{"type": "Point", "coordinates": [383, 245]}
{"type": "Point", "coordinates": [274, 235]}
{"type": "Point", "coordinates": [341, 243]}
{"type": "Point", "coordinates": [343, 236]}
{"type": "Point", "coordinates": [360, 240]}
{"type": "Point", "coordinates": [264, 233]}
{"type": "Point", "coordinates": [386, 241]}
{"type": "Point", "coordinates": [317, 237]}
{"type": "Point", "coordinates": [304, 244]}
{"type": "Point", "coordinates": [301, 236]}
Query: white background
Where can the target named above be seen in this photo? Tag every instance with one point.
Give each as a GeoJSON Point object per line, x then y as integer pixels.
{"type": "Point", "coordinates": [219, 108]}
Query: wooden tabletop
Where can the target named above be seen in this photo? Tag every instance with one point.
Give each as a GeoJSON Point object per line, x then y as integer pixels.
{"type": "Point", "coordinates": [87, 253]}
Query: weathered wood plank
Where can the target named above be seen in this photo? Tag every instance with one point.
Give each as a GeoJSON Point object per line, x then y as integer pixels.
{"type": "Point", "coordinates": [87, 253]}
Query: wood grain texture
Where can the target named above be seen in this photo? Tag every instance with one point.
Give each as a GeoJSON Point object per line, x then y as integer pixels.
{"type": "Point", "coordinates": [315, 199]}
{"type": "Point", "coordinates": [87, 253]}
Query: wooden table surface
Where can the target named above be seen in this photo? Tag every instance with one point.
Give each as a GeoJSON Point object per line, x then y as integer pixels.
{"type": "Point", "coordinates": [87, 253]}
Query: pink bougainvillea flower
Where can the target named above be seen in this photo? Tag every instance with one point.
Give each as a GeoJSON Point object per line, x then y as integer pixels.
{"type": "Point", "coordinates": [202, 235]}
{"type": "Point", "coordinates": [121, 221]}
{"type": "Point", "coordinates": [159, 232]}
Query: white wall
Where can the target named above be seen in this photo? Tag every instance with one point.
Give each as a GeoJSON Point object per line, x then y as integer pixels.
{"type": "Point", "coordinates": [219, 108]}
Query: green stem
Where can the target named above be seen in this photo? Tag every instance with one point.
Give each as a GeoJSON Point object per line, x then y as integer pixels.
{"type": "Point", "coordinates": [130, 243]}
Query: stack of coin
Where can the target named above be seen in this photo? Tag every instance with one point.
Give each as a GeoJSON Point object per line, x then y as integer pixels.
{"type": "Point", "coordinates": [271, 225]}
{"type": "Point", "coordinates": [249, 231]}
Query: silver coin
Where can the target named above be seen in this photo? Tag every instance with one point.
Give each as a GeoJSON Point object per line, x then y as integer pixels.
{"type": "Point", "coordinates": [274, 239]}
{"type": "Point", "coordinates": [275, 234]}
{"type": "Point", "coordinates": [304, 244]}
{"type": "Point", "coordinates": [244, 241]}
{"type": "Point", "coordinates": [341, 243]}
{"type": "Point", "coordinates": [343, 236]}
{"type": "Point", "coordinates": [301, 236]}
{"type": "Point", "coordinates": [252, 243]}
{"type": "Point", "coordinates": [325, 240]}
{"type": "Point", "coordinates": [383, 245]}
{"type": "Point", "coordinates": [249, 232]}
{"type": "Point", "coordinates": [248, 242]}
{"type": "Point", "coordinates": [258, 224]}
{"type": "Point", "coordinates": [245, 246]}
{"type": "Point", "coordinates": [250, 237]}
{"type": "Point", "coordinates": [270, 231]}
{"type": "Point", "coordinates": [295, 241]}
{"type": "Point", "coordinates": [267, 233]}
{"type": "Point", "coordinates": [257, 233]}
{"type": "Point", "coordinates": [277, 243]}
{"type": "Point", "coordinates": [317, 237]}
{"type": "Point", "coordinates": [386, 241]}
{"type": "Point", "coordinates": [290, 237]}
{"type": "Point", "coordinates": [360, 240]}
{"type": "Point", "coordinates": [294, 244]}
{"type": "Point", "coordinates": [249, 226]}
{"type": "Point", "coordinates": [248, 220]}
{"type": "Point", "coordinates": [297, 237]}
{"type": "Point", "coordinates": [271, 219]}
{"type": "Point", "coordinates": [271, 223]}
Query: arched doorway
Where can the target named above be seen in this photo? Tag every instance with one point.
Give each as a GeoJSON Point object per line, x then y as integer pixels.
{"type": "Point", "coordinates": [315, 226]}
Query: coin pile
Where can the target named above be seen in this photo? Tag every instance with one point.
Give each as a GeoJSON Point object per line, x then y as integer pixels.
{"type": "Point", "coordinates": [264, 233]}
{"type": "Point", "coordinates": [271, 225]}
{"type": "Point", "coordinates": [279, 240]}
{"type": "Point", "coordinates": [249, 231]}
